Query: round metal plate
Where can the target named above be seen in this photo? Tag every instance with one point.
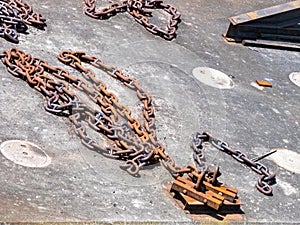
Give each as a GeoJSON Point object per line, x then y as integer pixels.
{"type": "Point", "coordinates": [25, 153]}
{"type": "Point", "coordinates": [213, 78]}
{"type": "Point", "coordinates": [287, 159]}
{"type": "Point", "coordinates": [295, 78]}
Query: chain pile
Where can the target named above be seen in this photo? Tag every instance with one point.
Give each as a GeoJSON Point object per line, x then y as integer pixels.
{"type": "Point", "coordinates": [128, 138]}
{"type": "Point", "coordinates": [140, 10]}
{"type": "Point", "coordinates": [133, 140]}
{"type": "Point", "coordinates": [15, 17]}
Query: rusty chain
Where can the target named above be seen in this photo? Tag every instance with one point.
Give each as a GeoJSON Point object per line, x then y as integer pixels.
{"type": "Point", "coordinates": [15, 17]}
{"type": "Point", "coordinates": [130, 139]}
{"type": "Point", "coordinates": [266, 178]}
{"type": "Point", "coordinates": [140, 10]}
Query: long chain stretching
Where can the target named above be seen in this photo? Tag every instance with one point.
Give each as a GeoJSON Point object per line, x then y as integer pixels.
{"type": "Point", "coordinates": [15, 17]}
{"type": "Point", "coordinates": [128, 138]}
{"type": "Point", "coordinates": [140, 10]}
{"type": "Point", "coordinates": [132, 140]}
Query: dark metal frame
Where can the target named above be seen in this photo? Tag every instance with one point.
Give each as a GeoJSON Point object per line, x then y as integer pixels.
{"type": "Point", "coordinates": [279, 23]}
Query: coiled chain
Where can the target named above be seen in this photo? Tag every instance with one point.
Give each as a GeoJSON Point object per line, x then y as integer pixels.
{"type": "Point", "coordinates": [140, 10]}
{"type": "Point", "coordinates": [15, 16]}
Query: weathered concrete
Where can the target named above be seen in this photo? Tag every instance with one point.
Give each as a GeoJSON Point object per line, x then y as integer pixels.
{"type": "Point", "coordinates": [80, 185]}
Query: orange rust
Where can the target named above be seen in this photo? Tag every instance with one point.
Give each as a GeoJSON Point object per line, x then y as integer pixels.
{"type": "Point", "coordinates": [197, 210]}
{"type": "Point", "coordinates": [264, 83]}
{"type": "Point", "coordinates": [210, 198]}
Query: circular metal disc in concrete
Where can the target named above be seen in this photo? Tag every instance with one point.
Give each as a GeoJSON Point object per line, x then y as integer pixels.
{"type": "Point", "coordinates": [295, 78]}
{"type": "Point", "coordinates": [287, 159]}
{"type": "Point", "coordinates": [25, 153]}
{"type": "Point", "coordinates": [213, 78]}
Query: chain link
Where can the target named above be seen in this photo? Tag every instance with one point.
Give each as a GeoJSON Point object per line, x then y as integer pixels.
{"type": "Point", "coordinates": [15, 16]}
{"type": "Point", "coordinates": [266, 178]}
{"type": "Point", "coordinates": [140, 10]}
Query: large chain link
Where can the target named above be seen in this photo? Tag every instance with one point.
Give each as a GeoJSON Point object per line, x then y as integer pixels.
{"type": "Point", "coordinates": [140, 10]}
{"type": "Point", "coordinates": [15, 16]}
{"type": "Point", "coordinates": [266, 178]}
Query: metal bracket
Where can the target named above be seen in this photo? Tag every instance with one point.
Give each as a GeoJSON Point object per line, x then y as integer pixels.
{"type": "Point", "coordinates": [198, 192]}
{"type": "Point", "coordinates": [279, 24]}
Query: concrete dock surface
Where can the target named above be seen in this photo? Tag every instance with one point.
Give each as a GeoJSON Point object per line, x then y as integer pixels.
{"type": "Point", "coordinates": [79, 185]}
